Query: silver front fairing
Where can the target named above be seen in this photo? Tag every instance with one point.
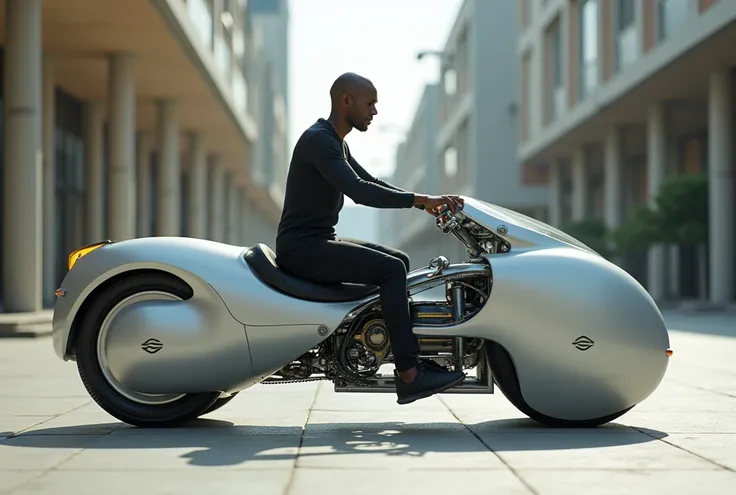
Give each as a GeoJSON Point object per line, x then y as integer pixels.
{"type": "Point", "coordinates": [585, 337]}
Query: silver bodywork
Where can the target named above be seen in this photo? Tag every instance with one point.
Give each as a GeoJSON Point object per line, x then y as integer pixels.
{"type": "Point", "coordinates": [585, 338]}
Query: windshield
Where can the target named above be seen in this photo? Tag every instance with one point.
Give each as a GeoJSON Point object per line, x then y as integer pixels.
{"type": "Point", "coordinates": [532, 224]}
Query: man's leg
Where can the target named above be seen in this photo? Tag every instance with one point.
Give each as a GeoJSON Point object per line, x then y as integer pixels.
{"type": "Point", "coordinates": [383, 249]}
{"type": "Point", "coordinates": [338, 261]}
{"type": "Point", "coordinates": [335, 261]}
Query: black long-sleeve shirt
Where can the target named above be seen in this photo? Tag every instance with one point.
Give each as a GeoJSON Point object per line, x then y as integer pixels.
{"type": "Point", "coordinates": [321, 173]}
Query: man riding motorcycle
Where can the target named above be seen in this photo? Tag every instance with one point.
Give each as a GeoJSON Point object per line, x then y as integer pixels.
{"type": "Point", "coordinates": [321, 173]}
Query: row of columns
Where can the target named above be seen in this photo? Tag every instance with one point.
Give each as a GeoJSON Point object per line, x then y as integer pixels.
{"type": "Point", "coordinates": [722, 184]}
{"type": "Point", "coordinates": [128, 198]}
{"type": "Point", "coordinates": [216, 209]}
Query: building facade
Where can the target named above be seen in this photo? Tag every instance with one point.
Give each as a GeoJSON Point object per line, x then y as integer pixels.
{"type": "Point", "coordinates": [417, 169]}
{"type": "Point", "coordinates": [616, 96]}
{"type": "Point", "coordinates": [271, 38]}
{"type": "Point", "coordinates": [472, 118]}
{"type": "Point", "coordinates": [122, 120]}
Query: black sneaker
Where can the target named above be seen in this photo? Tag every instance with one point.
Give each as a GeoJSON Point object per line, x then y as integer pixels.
{"type": "Point", "coordinates": [430, 380]}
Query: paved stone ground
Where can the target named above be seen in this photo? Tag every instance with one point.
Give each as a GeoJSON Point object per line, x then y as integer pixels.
{"type": "Point", "coordinates": [305, 439]}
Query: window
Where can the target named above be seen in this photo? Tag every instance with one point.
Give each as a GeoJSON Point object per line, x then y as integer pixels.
{"type": "Point", "coordinates": [625, 14]}
{"type": "Point", "coordinates": [451, 162]}
{"type": "Point", "coordinates": [525, 94]}
{"type": "Point", "coordinates": [70, 178]}
{"type": "Point", "coordinates": [264, 6]}
{"type": "Point", "coordinates": [184, 178]}
{"type": "Point", "coordinates": [555, 91]}
{"type": "Point", "coordinates": [673, 14]}
{"type": "Point", "coordinates": [627, 43]}
{"type": "Point", "coordinates": [588, 16]}
{"type": "Point", "coordinates": [450, 82]}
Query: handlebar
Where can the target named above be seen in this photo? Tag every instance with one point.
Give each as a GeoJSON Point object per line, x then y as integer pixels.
{"type": "Point", "coordinates": [446, 220]}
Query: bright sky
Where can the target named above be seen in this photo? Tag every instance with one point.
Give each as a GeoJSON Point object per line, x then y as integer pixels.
{"type": "Point", "coordinates": [378, 39]}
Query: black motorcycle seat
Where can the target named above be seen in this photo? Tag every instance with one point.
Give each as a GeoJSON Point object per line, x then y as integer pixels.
{"type": "Point", "coordinates": [262, 261]}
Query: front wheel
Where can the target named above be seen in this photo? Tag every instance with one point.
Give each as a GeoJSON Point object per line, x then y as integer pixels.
{"type": "Point", "coordinates": [504, 375]}
{"type": "Point", "coordinates": [125, 404]}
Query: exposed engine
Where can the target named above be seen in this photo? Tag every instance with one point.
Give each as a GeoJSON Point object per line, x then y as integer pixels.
{"type": "Point", "coordinates": [354, 354]}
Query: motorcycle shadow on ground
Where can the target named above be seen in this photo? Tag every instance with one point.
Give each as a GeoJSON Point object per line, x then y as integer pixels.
{"type": "Point", "coordinates": [223, 443]}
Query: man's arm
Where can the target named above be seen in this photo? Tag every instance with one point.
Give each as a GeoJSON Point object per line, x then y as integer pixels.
{"type": "Point", "coordinates": [363, 174]}
{"type": "Point", "coordinates": [327, 156]}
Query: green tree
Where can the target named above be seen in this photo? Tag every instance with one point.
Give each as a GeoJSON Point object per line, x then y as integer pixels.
{"type": "Point", "coordinates": [679, 216]}
{"type": "Point", "coordinates": [637, 233]}
{"type": "Point", "coordinates": [682, 210]}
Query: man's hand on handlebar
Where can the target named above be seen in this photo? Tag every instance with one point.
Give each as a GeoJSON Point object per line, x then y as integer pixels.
{"type": "Point", "coordinates": [431, 204]}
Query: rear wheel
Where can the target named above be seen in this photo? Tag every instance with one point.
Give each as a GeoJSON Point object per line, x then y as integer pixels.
{"type": "Point", "coordinates": [127, 405]}
{"type": "Point", "coordinates": [504, 374]}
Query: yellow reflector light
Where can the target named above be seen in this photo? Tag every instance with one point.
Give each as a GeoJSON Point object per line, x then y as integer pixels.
{"type": "Point", "coordinates": [84, 251]}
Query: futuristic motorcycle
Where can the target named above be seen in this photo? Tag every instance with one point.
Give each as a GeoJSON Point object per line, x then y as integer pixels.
{"type": "Point", "coordinates": [166, 329]}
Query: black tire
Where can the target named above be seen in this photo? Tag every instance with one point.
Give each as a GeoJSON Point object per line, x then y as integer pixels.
{"type": "Point", "coordinates": [219, 403]}
{"type": "Point", "coordinates": [504, 375]}
{"type": "Point", "coordinates": [170, 414]}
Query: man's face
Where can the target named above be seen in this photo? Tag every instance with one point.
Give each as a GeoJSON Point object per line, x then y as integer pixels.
{"type": "Point", "coordinates": [362, 107]}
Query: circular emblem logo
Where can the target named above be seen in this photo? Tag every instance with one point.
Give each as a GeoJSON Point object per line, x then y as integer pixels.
{"type": "Point", "coordinates": [502, 229]}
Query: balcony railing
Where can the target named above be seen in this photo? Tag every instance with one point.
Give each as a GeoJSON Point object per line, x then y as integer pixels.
{"type": "Point", "coordinates": [558, 102]}
{"type": "Point", "coordinates": [201, 17]}
{"type": "Point", "coordinates": [674, 14]}
{"type": "Point", "coordinates": [627, 47]}
{"type": "Point", "coordinates": [240, 91]}
{"type": "Point", "coordinates": [224, 57]}
{"type": "Point", "coordinates": [588, 77]}
{"type": "Point", "coordinates": [227, 44]}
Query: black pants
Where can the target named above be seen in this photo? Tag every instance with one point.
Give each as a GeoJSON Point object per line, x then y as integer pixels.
{"type": "Point", "coordinates": [350, 260]}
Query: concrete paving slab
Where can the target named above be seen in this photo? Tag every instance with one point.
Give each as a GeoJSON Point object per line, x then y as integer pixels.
{"type": "Point", "coordinates": [671, 423]}
{"type": "Point", "coordinates": [632, 450]}
{"type": "Point", "coordinates": [679, 397]}
{"type": "Point", "coordinates": [34, 453]}
{"type": "Point", "coordinates": [409, 481]}
{"type": "Point", "coordinates": [320, 420]}
{"type": "Point", "coordinates": [266, 482]}
{"type": "Point", "coordinates": [9, 425]}
{"type": "Point", "coordinates": [305, 439]}
{"type": "Point", "coordinates": [390, 447]}
{"type": "Point", "coordinates": [716, 448]}
{"type": "Point", "coordinates": [13, 479]}
{"type": "Point", "coordinates": [27, 387]}
{"type": "Point", "coordinates": [179, 452]}
{"type": "Point", "coordinates": [216, 428]}
{"type": "Point", "coordinates": [628, 482]}
{"type": "Point", "coordinates": [328, 400]}
{"type": "Point", "coordinates": [39, 406]}
{"type": "Point", "coordinates": [76, 424]}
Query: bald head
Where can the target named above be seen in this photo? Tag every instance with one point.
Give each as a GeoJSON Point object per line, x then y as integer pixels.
{"type": "Point", "coordinates": [350, 83]}
{"type": "Point", "coordinates": [354, 99]}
